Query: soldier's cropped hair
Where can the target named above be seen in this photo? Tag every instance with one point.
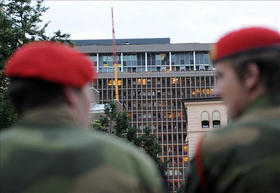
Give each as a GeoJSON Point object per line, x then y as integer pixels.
{"type": "Point", "coordinates": [27, 94]}
{"type": "Point", "coordinates": [268, 63]}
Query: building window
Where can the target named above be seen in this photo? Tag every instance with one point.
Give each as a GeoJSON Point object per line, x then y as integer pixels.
{"type": "Point", "coordinates": [141, 81]}
{"type": "Point", "coordinates": [197, 91]}
{"type": "Point", "coordinates": [174, 81]}
{"type": "Point", "coordinates": [169, 115]}
{"type": "Point", "coordinates": [205, 119]}
{"type": "Point", "coordinates": [144, 81]}
{"type": "Point", "coordinates": [114, 82]}
{"type": "Point", "coordinates": [179, 114]}
{"type": "Point", "coordinates": [216, 119]}
{"type": "Point", "coordinates": [193, 92]}
{"type": "Point", "coordinates": [170, 172]}
{"type": "Point", "coordinates": [185, 148]}
{"type": "Point", "coordinates": [110, 83]}
{"type": "Point", "coordinates": [202, 57]}
{"type": "Point", "coordinates": [207, 91]}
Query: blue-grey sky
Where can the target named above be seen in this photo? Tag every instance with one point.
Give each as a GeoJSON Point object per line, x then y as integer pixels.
{"type": "Point", "coordinates": [182, 21]}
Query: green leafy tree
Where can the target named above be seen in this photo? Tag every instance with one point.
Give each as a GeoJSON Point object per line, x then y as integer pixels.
{"type": "Point", "coordinates": [150, 144]}
{"type": "Point", "coordinates": [117, 123]}
{"type": "Point", "coordinates": [20, 23]}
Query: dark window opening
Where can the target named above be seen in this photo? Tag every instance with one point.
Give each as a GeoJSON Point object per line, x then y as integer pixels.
{"type": "Point", "coordinates": [205, 124]}
{"type": "Point", "coordinates": [216, 124]}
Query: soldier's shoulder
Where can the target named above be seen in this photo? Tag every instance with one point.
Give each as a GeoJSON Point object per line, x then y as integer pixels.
{"type": "Point", "coordinates": [230, 136]}
{"type": "Point", "coordinates": [91, 154]}
{"type": "Point", "coordinates": [125, 160]}
{"type": "Point", "coordinates": [8, 134]}
{"type": "Point", "coordinates": [108, 146]}
{"type": "Point", "coordinates": [115, 144]}
{"type": "Point", "coordinates": [127, 154]}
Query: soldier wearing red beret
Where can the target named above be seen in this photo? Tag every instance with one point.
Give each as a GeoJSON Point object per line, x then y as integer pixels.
{"type": "Point", "coordinates": [244, 156]}
{"type": "Point", "coordinates": [49, 149]}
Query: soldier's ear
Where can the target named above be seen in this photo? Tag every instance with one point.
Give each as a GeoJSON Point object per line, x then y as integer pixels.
{"type": "Point", "coordinates": [70, 96]}
{"type": "Point", "coordinates": [252, 77]}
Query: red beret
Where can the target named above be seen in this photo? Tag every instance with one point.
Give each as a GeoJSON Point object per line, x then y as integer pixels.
{"type": "Point", "coordinates": [50, 61]}
{"type": "Point", "coordinates": [243, 40]}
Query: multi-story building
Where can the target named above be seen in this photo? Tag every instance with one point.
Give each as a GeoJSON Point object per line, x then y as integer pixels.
{"type": "Point", "coordinates": [153, 78]}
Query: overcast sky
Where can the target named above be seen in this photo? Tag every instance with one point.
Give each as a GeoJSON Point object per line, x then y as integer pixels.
{"type": "Point", "coordinates": [182, 21]}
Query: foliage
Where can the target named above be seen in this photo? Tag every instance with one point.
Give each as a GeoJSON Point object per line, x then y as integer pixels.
{"type": "Point", "coordinates": [6, 108]}
{"type": "Point", "coordinates": [117, 123]}
{"type": "Point", "coordinates": [20, 23]}
{"type": "Point", "coordinates": [149, 144]}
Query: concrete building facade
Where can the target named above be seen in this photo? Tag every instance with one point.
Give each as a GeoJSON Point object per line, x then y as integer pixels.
{"type": "Point", "coordinates": [203, 116]}
{"type": "Point", "coordinates": [154, 77]}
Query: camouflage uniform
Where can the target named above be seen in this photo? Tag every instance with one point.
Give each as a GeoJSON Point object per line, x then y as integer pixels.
{"type": "Point", "coordinates": [46, 153]}
{"type": "Point", "coordinates": [243, 157]}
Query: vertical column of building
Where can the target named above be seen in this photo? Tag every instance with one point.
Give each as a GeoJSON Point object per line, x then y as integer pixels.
{"type": "Point", "coordinates": [173, 143]}
{"type": "Point", "coordinates": [97, 62]}
{"type": "Point", "coordinates": [120, 89]}
{"type": "Point", "coordinates": [106, 88]}
{"type": "Point", "coordinates": [135, 102]}
{"type": "Point", "coordinates": [147, 100]}
{"type": "Point", "coordinates": [214, 86]}
{"type": "Point", "coordinates": [185, 150]}
{"type": "Point", "coordinates": [179, 135]}
{"type": "Point", "coordinates": [172, 129]}
{"type": "Point", "coordinates": [126, 95]}
{"type": "Point", "coordinates": [175, 136]}
{"type": "Point", "coordinates": [143, 101]}
{"type": "Point", "coordinates": [169, 120]}
{"type": "Point", "coordinates": [194, 62]}
{"type": "Point", "coordinates": [146, 62]}
{"type": "Point", "coordinates": [103, 90]}
{"type": "Point", "coordinates": [121, 62]}
{"type": "Point", "coordinates": [170, 62]}
{"type": "Point", "coordinates": [205, 85]}
{"type": "Point", "coordinates": [158, 114]}
{"type": "Point", "coordinates": [154, 107]}
{"type": "Point", "coordinates": [129, 94]}
{"type": "Point", "coordinates": [211, 85]}
{"type": "Point", "coordinates": [183, 136]}
{"type": "Point", "coordinates": [200, 89]}
{"type": "Point", "coordinates": [195, 86]}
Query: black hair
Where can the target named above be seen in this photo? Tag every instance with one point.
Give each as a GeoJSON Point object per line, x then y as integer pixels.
{"type": "Point", "coordinates": [268, 63]}
{"type": "Point", "coordinates": [27, 94]}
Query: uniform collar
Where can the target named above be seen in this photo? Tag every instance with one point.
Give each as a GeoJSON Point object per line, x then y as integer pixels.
{"type": "Point", "coordinates": [265, 106]}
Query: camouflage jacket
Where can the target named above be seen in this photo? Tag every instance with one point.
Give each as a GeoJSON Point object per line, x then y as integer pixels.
{"type": "Point", "coordinates": [47, 153]}
{"type": "Point", "coordinates": [242, 157]}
